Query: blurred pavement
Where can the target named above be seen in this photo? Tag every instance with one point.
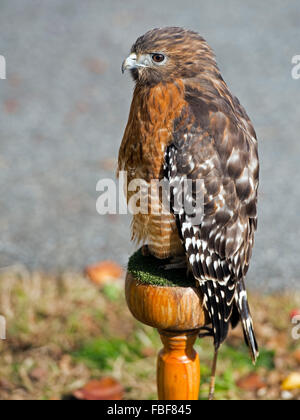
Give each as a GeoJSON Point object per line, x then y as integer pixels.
{"type": "Point", "coordinates": [65, 104]}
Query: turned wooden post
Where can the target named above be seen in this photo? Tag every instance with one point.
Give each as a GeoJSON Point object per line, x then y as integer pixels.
{"type": "Point", "coordinates": [178, 367]}
{"type": "Point", "coordinates": [178, 314]}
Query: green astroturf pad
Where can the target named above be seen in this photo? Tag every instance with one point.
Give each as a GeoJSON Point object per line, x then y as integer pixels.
{"type": "Point", "coordinates": [149, 270]}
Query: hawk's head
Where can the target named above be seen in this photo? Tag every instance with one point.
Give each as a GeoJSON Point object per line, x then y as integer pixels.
{"type": "Point", "coordinates": [162, 55]}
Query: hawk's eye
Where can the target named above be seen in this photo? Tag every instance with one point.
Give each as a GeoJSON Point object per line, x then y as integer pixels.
{"type": "Point", "coordinates": [158, 58]}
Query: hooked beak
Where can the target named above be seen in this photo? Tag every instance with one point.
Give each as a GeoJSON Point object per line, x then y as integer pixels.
{"type": "Point", "coordinates": [130, 63]}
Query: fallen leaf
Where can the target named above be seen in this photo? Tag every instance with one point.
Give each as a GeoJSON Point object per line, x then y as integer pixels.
{"type": "Point", "coordinates": [104, 272]}
{"type": "Point", "coordinates": [291, 382]}
{"type": "Point", "coordinates": [5, 384]}
{"type": "Point", "coordinates": [296, 355]}
{"type": "Point", "coordinates": [294, 313]}
{"type": "Point", "coordinates": [104, 389]}
{"type": "Point", "coordinates": [148, 352]}
{"type": "Point", "coordinates": [251, 382]}
{"type": "Point", "coordinates": [38, 374]}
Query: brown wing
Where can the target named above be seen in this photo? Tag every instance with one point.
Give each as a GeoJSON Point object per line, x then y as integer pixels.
{"type": "Point", "coordinates": [211, 143]}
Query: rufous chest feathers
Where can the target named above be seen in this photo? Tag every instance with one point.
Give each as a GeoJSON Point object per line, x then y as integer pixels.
{"type": "Point", "coordinates": [148, 133]}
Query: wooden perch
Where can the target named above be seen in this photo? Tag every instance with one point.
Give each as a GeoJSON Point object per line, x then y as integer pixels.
{"type": "Point", "coordinates": [171, 303]}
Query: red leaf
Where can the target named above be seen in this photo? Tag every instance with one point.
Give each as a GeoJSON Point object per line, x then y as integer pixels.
{"type": "Point", "coordinates": [296, 355]}
{"type": "Point", "coordinates": [104, 272]}
{"type": "Point", "coordinates": [294, 312]}
{"type": "Point", "coordinates": [104, 389]}
{"type": "Point", "coordinates": [252, 382]}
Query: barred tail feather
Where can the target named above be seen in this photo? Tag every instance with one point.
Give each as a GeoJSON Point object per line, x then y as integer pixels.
{"type": "Point", "coordinates": [218, 300]}
{"type": "Point", "coordinates": [246, 319]}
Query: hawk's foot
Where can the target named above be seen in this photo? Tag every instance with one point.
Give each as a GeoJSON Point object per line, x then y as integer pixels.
{"type": "Point", "coordinates": [206, 332]}
{"type": "Point", "coordinates": [145, 251]}
{"type": "Point", "coordinates": [176, 263]}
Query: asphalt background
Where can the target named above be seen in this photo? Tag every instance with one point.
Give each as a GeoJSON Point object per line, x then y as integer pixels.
{"type": "Point", "coordinates": [64, 106]}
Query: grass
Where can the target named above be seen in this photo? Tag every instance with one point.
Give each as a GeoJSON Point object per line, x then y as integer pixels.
{"type": "Point", "coordinates": [63, 331]}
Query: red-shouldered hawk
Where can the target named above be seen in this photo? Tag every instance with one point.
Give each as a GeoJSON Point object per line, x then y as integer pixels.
{"type": "Point", "coordinates": [185, 124]}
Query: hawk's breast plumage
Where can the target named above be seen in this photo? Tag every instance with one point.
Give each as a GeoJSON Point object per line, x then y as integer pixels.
{"type": "Point", "coordinates": [142, 154]}
{"type": "Point", "coordinates": [185, 124]}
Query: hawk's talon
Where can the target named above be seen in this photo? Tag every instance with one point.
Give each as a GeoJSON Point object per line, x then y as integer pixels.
{"type": "Point", "coordinates": [209, 332]}
{"type": "Point", "coordinates": [145, 251]}
{"type": "Point", "coordinates": [176, 263]}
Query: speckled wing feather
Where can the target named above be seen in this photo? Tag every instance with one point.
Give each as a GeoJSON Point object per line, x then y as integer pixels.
{"type": "Point", "coordinates": [214, 141]}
